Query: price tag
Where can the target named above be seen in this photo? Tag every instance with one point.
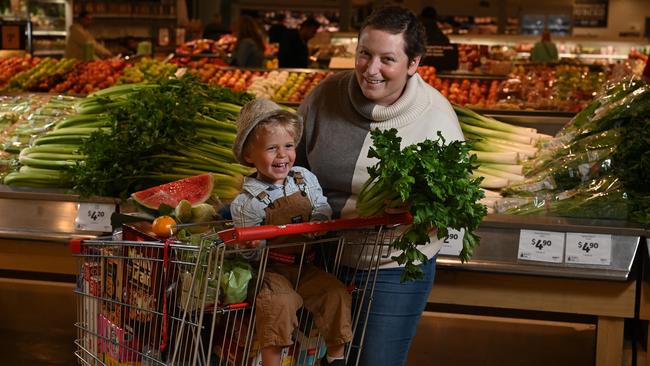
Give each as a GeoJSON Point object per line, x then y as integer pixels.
{"type": "Point", "coordinates": [588, 249]}
{"type": "Point", "coordinates": [452, 244]}
{"type": "Point", "coordinates": [94, 217]}
{"type": "Point", "coordinates": [543, 246]}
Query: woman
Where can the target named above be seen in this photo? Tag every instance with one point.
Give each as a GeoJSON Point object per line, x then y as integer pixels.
{"type": "Point", "coordinates": [544, 50]}
{"type": "Point", "coordinates": [384, 91]}
{"type": "Point", "coordinates": [249, 49]}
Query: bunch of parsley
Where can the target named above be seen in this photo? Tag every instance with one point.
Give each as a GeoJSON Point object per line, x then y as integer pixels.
{"type": "Point", "coordinates": [433, 180]}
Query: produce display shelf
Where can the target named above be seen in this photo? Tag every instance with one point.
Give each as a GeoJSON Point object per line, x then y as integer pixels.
{"type": "Point", "coordinates": [46, 215]}
{"type": "Point", "coordinates": [466, 75]}
{"type": "Point", "coordinates": [644, 302]}
{"type": "Point", "coordinates": [496, 280]}
{"type": "Point", "coordinates": [48, 52]}
{"type": "Point", "coordinates": [206, 55]}
{"type": "Point", "coordinates": [133, 16]}
{"type": "Point", "coordinates": [500, 242]}
{"type": "Point", "coordinates": [57, 33]}
{"type": "Point", "coordinates": [52, 1]}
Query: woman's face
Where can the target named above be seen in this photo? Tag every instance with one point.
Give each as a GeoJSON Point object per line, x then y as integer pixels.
{"type": "Point", "coordinates": [382, 67]}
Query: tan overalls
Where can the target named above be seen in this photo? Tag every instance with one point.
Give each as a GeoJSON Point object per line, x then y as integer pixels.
{"type": "Point", "coordinates": [320, 292]}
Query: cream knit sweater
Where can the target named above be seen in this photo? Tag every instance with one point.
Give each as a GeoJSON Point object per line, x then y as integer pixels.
{"type": "Point", "coordinates": [336, 139]}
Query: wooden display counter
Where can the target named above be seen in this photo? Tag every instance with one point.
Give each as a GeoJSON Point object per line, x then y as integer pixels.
{"type": "Point", "coordinates": [610, 301]}
{"type": "Point", "coordinates": [644, 304]}
{"type": "Point", "coordinates": [497, 280]}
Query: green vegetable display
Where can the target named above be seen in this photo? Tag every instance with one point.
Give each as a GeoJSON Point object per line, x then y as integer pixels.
{"type": "Point", "coordinates": [433, 180]}
{"type": "Point", "coordinates": [598, 165]}
{"type": "Point", "coordinates": [159, 133]}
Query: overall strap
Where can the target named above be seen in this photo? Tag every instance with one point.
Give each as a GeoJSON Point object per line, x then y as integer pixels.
{"type": "Point", "coordinates": [300, 181]}
{"type": "Point", "coordinates": [265, 198]}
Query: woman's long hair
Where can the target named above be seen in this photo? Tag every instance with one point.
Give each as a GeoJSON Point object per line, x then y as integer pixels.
{"type": "Point", "coordinates": [247, 27]}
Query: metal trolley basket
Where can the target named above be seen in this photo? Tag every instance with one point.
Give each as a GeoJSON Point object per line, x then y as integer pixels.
{"type": "Point", "coordinates": [141, 301]}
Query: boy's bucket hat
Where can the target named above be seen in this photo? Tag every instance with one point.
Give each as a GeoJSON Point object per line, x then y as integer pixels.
{"type": "Point", "coordinates": [251, 115]}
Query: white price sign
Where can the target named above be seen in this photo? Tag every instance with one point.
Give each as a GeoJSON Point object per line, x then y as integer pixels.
{"type": "Point", "coordinates": [542, 246]}
{"type": "Point", "coordinates": [588, 248]}
{"type": "Point", "coordinates": [94, 217]}
{"type": "Point", "coordinates": [452, 244]}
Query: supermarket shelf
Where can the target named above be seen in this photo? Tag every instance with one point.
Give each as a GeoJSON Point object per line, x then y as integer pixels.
{"type": "Point", "coordinates": [58, 33]}
{"type": "Point", "coordinates": [466, 75]}
{"type": "Point", "coordinates": [50, 1]}
{"type": "Point", "coordinates": [133, 16]}
{"type": "Point", "coordinates": [582, 55]}
{"type": "Point", "coordinates": [48, 52]}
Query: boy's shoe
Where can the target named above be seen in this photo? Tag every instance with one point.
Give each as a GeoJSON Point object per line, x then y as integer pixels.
{"type": "Point", "coordinates": [323, 362]}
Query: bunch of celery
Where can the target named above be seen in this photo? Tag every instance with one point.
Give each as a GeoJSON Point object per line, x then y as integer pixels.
{"type": "Point", "coordinates": [431, 178]}
{"type": "Point", "coordinates": [129, 137]}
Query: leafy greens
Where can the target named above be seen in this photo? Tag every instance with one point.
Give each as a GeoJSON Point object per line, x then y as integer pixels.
{"type": "Point", "coordinates": [433, 180]}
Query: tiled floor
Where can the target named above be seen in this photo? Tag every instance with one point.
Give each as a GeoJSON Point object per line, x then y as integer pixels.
{"type": "Point", "coordinates": [40, 347]}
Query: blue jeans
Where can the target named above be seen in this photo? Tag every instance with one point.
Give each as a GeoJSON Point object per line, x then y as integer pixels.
{"type": "Point", "coordinates": [394, 315]}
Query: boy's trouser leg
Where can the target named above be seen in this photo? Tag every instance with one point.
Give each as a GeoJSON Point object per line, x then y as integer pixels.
{"type": "Point", "coordinates": [276, 307]}
{"type": "Point", "coordinates": [329, 302]}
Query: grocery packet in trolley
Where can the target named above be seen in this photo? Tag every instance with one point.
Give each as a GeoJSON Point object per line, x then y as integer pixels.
{"type": "Point", "coordinates": [143, 281]}
{"type": "Point", "coordinates": [112, 275]}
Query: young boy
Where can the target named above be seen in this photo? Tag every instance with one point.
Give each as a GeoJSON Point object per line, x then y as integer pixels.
{"type": "Point", "coordinates": [280, 193]}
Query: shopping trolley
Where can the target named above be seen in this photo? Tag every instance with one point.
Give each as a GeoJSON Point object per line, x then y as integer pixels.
{"type": "Point", "coordinates": [191, 301]}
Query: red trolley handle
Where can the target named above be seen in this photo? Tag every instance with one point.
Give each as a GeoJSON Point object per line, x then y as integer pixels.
{"type": "Point", "coordinates": [75, 245]}
{"type": "Point", "coordinates": [243, 234]}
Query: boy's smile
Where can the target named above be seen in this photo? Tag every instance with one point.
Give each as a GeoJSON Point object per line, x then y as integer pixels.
{"type": "Point", "coordinates": [272, 152]}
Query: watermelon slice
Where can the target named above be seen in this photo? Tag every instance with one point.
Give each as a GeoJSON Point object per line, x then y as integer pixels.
{"type": "Point", "coordinates": [195, 189]}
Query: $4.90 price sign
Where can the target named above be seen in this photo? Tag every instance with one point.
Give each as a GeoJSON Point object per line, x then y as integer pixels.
{"type": "Point", "coordinates": [588, 249]}
{"type": "Point", "coordinates": [452, 244]}
{"type": "Point", "coordinates": [94, 217]}
{"type": "Point", "coordinates": [543, 246]}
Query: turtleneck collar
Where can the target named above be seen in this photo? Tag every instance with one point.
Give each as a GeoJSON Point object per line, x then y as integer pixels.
{"type": "Point", "coordinates": [405, 110]}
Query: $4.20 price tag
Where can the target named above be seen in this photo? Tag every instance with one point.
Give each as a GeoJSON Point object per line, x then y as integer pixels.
{"type": "Point", "coordinates": [94, 217]}
{"type": "Point", "coordinates": [452, 244]}
{"type": "Point", "coordinates": [588, 248]}
{"type": "Point", "coordinates": [543, 246]}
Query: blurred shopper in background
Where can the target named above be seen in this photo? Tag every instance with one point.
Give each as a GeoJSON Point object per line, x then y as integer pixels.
{"type": "Point", "coordinates": [646, 71]}
{"type": "Point", "coordinates": [429, 18]}
{"type": "Point", "coordinates": [544, 50]}
{"type": "Point", "coordinates": [81, 44]}
{"type": "Point", "coordinates": [215, 29]}
{"type": "Point", "coordinates": [293, 44]}
{"type": "Point", "coordinates": [249, 49]}
{"type": "Point", "coordinates": [277, 29]}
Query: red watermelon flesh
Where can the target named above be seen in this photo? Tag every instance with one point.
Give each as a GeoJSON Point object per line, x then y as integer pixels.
{"type": "Point", "coordinates": [195, 189]}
